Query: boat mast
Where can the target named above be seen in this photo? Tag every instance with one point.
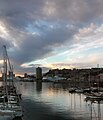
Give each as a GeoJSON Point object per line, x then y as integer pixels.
{"type": "Point", "coordinates": [5, 71]}
{"type": "Point", "coordinates": [98, 82]}
{"type": "Point", "coordinates": [7, 61]}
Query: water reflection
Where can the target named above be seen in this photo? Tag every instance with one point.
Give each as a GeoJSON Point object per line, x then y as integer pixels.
{"type": "Point", "coordinates": [95, 110]}
{"type": "Point", "coordinates": [47, 101]}
{"type": "Point", "coordinates": [39, 86]}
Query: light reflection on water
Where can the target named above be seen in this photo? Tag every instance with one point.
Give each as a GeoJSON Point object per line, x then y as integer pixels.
{"type": "Point", "coordinates": [48, 101]}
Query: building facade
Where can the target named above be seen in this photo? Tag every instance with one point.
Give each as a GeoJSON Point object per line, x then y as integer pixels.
{"type": "Point", "coordinates": [38, 73]}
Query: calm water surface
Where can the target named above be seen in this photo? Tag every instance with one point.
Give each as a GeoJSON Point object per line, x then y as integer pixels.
{"type": "Point", "coordinates": [48, 101]}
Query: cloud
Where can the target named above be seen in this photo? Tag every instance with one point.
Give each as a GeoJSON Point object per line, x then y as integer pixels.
{"type": "Point", "coordinates": [76, 11]}
{"type": "Point", "coordinates": [37, 29]}
{"type": "Point", "coordinates": [34, 46]}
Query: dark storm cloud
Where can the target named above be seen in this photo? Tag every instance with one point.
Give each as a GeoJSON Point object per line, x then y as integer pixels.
{"type": "Point", "coordinates": [34, 47]}
{"type": "Point", "coordinates": [18, 15]}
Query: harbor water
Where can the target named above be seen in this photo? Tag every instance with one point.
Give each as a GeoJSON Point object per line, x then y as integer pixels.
{"type": "Point", "coordinates": [48, 101]}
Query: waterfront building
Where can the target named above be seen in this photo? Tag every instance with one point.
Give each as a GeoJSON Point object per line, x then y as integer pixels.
{"type": "Point", "coordinates": [25, 75]}
{"type": "Point", "coordinates": [39, 73]}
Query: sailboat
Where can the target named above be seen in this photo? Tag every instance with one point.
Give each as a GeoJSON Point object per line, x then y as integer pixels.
{"type": "Point", "coordinates": [9, 98]}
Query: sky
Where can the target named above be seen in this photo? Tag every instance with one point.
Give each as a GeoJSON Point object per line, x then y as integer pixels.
{"type": "Point", "coordinates": [52, 33]}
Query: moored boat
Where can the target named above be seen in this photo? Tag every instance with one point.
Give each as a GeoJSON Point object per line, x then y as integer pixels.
{"type": "Point", "coordinates": [9, 98]}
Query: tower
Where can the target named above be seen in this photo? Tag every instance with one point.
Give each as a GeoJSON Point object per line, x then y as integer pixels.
{"type": "Point", "coordinates": [39, 74]}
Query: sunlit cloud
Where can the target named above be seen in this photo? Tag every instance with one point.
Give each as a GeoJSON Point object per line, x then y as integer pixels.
{"type": "Point", "coordinates": [49, 8]}
{"type": "Point", "coordinates": [1, 62]}
{"type": "Point", "coordinates": [3, 31]}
